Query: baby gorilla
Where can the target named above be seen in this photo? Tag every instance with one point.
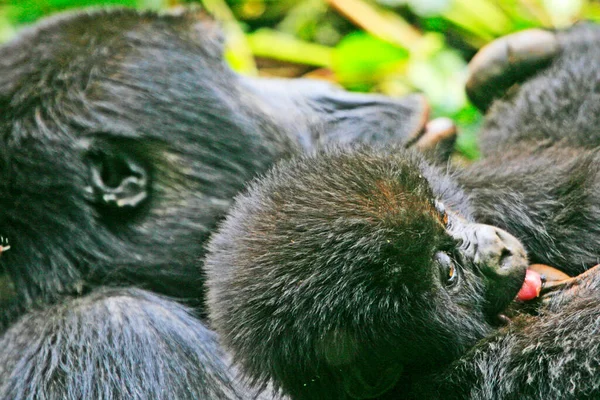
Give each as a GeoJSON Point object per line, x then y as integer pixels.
{"type": "Point", "coordinates": [341, 274]}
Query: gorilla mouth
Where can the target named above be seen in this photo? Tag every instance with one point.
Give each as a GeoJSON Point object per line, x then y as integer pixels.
{"type": "Point", "coordinates": [540, 283]}
{"type": "Point", "coordinates": [532, 286]}
{"type": "Point", "coordinates": [542, 279]}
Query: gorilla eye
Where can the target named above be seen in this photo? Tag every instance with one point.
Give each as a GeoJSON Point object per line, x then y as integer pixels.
{"type": "Point", "coordinates": [451, 273]}
{"type": "Point", "coordinates": [441, 209]}
{"type": "Point", "coordinates": [448, 268]}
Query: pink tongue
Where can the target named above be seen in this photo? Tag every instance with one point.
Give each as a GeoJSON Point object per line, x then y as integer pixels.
{"type": "Point", "coordinates": [531, 286]}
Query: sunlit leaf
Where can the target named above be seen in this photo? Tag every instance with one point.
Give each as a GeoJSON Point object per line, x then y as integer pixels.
{"type": "Point", "coordinates": [563, 12]}
{"type": "Point", "coordinates": [151, 4]}
{"type": "Point", "coordinates": [27, 11]}
{"type": "Point", "coordinates": [6, 29]}
{"type": "Point", "coordinates": [423, 8]}
{"type": "Point", "coordinates": [362, 58]}
{"type": "Point", "coordinates": [469, 121]}
{"type": "Point", "coordinates": [379, 22]}
{"type": "Point", "coordinates": [441, 78]}
{"type": "Point", "coordinates": [237, 49]}
{"type": "Point", "coordinates": [281, 46]}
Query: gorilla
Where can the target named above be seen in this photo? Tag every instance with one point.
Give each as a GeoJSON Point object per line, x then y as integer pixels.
{"type": "Point", "coordinates": [125, 137]}
{"type": "Point", "coordinates": [369, 273]}
{"type": "Point", "coordinates": [339, 274]}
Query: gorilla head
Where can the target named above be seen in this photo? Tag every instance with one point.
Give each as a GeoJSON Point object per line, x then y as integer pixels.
{"type": "Point", "coordinates": [125, 136]}
{"type": "Point", "coordinates": [339, 275]}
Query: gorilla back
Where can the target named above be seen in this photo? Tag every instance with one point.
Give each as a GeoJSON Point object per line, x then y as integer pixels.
{"type": "Point", "coordinates": [115, 344]}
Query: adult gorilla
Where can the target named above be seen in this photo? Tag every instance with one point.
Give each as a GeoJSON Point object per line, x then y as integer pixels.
{"type": "Point", "coordinates": [124, 138]}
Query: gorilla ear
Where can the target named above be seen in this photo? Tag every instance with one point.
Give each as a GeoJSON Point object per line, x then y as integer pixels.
{"type": "Point", "coordinates": [118, 179]}
{"type": "Point", "coordinates": [361, 384]}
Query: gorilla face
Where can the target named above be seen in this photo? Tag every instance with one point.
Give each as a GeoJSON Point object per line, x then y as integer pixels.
{"type": "Point", "coordinates": [125, 136]}
{"type": "Point", "coordinates": [336, 275]}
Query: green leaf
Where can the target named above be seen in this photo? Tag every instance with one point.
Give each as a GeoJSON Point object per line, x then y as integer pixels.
{"type": "Point", "coordinates": [362, 58]}
{"type": "Point", "coordinates": [282, 46]}
{"type": "Point", "coordinates": [28, 11]}
{"type": "Point", "coordinates": [469, 122]}
{"type": "Point", "coordinates": [442, 78]}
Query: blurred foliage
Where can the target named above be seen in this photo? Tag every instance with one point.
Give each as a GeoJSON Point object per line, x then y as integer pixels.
{"type": "Point", "coordinates": [388, 46]}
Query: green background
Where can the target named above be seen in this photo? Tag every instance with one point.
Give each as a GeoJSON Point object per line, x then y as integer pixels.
{"type": "Point", "coordinates": [389, 46]}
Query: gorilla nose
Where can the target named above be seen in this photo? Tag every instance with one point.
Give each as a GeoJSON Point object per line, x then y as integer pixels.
{"type": "Point", "coordinates": [498, 251]}
{"type": "Point", "coordinates": [502, 262]}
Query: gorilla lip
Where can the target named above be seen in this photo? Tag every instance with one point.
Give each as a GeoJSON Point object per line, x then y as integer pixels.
{"type": "Point", "coordinates": [532, 286]}
{"type": "Point", "coordinates": [550, 279]}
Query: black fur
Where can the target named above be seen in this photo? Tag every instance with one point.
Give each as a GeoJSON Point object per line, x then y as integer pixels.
{"type": "Point", "coordinates": [124, 138]}
{"type": "Point", "coordinates": [539, 178]}
{"type": "Point", "coordinates": [154, 88]}
{"type": "Point", "coordinates": [143, 345]}
{"type": "Point", "coordinates": [321, 276]}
